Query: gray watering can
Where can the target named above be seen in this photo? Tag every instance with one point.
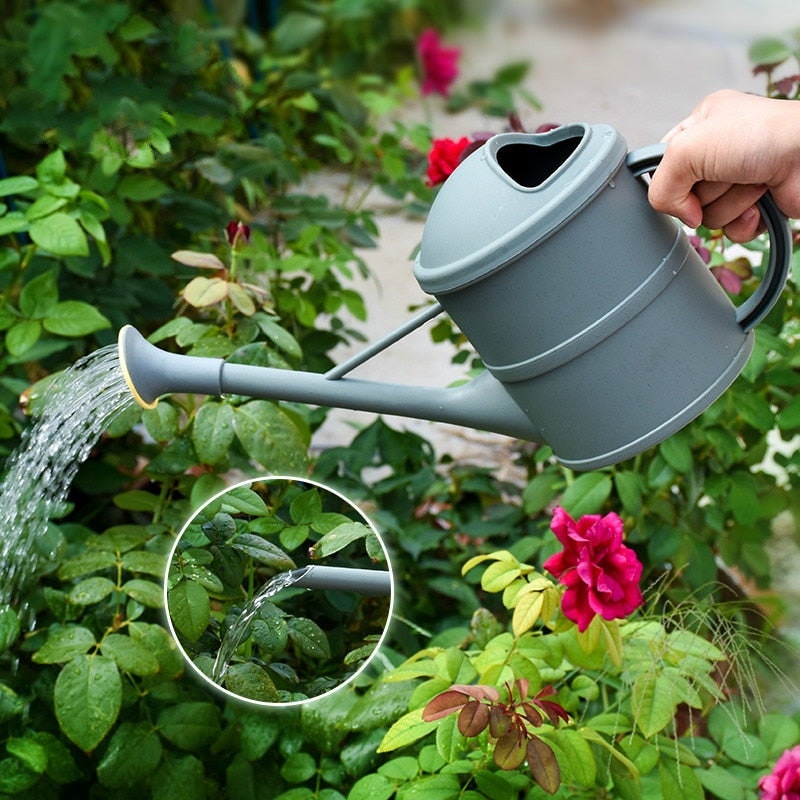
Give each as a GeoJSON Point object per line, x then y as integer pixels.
{"type": "Point", "coordinates": [602, 330]}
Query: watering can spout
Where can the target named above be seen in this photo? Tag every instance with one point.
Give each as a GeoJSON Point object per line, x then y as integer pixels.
{"type": "Point", "coordinates": [482, 403]}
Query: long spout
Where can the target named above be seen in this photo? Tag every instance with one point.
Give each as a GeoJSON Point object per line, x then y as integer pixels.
{"type": "Point", "coordinates": [374, 582]}
{"type": "Point", "coordinates": [482, 403]}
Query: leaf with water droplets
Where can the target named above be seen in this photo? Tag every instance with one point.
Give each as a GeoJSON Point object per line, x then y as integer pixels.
{"type": "Point", "coordinates": [87, 562]}
{"type": "Point", "coordinates": [132, 754]}
{"type": "Point", "coordinates": [340, 537]}
{"type": "Point", "coordinates": [270, 436]}
{"type": "Point", "coordinates": [131, 655]}
{"type": "Point", "coordinates": [263, 551]}
{"type": "Point", "coordinates": [9, 628]}
{"type": "Point", "coordinates": [190, 726]}
{"type": "Point", "coordinates": [189, 608]}
{"type": "Point", "coordinates": [87, 696]}
{"type": "Point", "coordinates": [64, 644]}
{"type": "Point", "coordinates": [212, 431]}
{"type": "Point", "coordinates": [90, 590]}
{"type": "Point", "coordinates": [251, 681]}
{"type": "Point", "coordinates": [309, 637]}
{"type": "Point", "coordinates": [146, 592]}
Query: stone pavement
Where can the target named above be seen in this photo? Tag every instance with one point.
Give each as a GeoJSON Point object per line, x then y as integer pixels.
{"type": "Point", "coordinates": [639, 65]}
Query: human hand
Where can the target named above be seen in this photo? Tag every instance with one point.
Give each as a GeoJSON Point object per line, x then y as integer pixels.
{"type": "Point", "coordinates": [720, 160]}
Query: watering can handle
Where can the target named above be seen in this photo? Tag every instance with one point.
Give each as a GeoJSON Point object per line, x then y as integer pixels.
{"type": "Point", "coordinates": [759, 304]}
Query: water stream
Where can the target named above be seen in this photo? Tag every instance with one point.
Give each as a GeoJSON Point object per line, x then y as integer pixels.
{"type": "Point", "coordinates": [76, 409]}
{"type": "Point", "coordinates": [240, 630]}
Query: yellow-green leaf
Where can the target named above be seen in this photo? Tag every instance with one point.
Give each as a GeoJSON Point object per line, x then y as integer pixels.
{"type": "Point", "coordinates": [409, 728]}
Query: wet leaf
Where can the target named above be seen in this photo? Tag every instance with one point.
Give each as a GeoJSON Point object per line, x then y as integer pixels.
{"type": "Point", "coordinates": [189, 608]}
{"type": "Point", "coordinates": [340, 537]}
{"type": "Point", "coordinates": [444, 704]}
{"type": "Point", "coordinates": [543, 765]}
{"type": "Point", "coordinates": [63, 645]}
{"type": "Point", "coordinates": [251, 681]}
{"type": "Point", "coordinates": [191, 725]}
{"type": "Point", "coordinates": [309, 637]}
{"type": "Point", "coordinates": [263, 551]}
{"type": "Point", "coordinates": [131, 655]}
{"type": "Point", "coordinates": [88, 695]}
{"type": "Point", "coordinates": [132, 754]}
{"type": "Point", "coordinates": [29, 752]}
{"type": "Point", "coordinates": [474, 718]}
{"type": "Point", "coordinates": [212, 431]}
{"type": "Point", "coordinates": [146, 592]}
{"type": "Point", "coordinates": [90, 590]}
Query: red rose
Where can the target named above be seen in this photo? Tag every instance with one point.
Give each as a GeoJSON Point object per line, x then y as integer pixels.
{"type": "Point", "coordinates": [237, 233]}
{"type": "Point", "coordinates": [439, 64]}
{"type": "Point", "coordinates": [783, 783]}
{"type": "Point", "coordinates": [601, 574]}
{"type": "Point", "coordinates": [443, 158]}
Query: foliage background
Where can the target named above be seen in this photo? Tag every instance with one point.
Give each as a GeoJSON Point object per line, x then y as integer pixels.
{"type": "Point", "coordinates": [134, 130]}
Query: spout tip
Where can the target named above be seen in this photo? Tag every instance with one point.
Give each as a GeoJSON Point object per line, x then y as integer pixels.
{"type": "Point", "coordinates": [127, 341]}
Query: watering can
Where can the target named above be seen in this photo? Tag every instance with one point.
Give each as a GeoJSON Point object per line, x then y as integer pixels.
{"type": "Point", "coordinates": [602, 330]}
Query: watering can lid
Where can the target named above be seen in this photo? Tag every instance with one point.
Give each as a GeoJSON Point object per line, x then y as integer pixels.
{"type": "Point", "coordinates": [482, 218]}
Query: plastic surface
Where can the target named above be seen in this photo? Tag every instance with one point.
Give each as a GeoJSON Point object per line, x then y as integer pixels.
{"type": "Point", "coordinates": [373, 582]}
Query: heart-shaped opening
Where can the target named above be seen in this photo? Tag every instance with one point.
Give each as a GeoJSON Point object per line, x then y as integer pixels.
{"type": "Point", "coordinates": [530, 165]}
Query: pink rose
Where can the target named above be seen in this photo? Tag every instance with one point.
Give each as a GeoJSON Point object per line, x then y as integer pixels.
{"type": "Point", "coordinates": [601, 574]}
{"type": "Point", "coordinates": [439, 64]}
{"type": "Point", "coordinates": [444, 157]}
{"type": "Point", "coordinates": [783, 783]}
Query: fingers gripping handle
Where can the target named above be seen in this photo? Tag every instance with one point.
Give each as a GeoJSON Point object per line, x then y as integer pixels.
{"type": "Point", "coordinates": [758, 305]}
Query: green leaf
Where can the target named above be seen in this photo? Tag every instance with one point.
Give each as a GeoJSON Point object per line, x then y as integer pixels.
{"type": "Point", "coordinates": [90, 590]}
{"type": "Point", "coordinates": [60, 235]}
{"type": "Point", "coordinates": [64, 645]}
{"type": "Point", "coordinates": [540, 491]}
{"type": "Point", "coordinates": [133, 753]}
{"type": "Point", "coordinates": [309, 637]}
{"type": "Point", "coordinates": [212, 431]}
{"type": "Point", "coordinates": [306, 507]}
{"type": "Point", "coordinates": [298, 767]}
{"type": "Point", "coordinates": [74, 318]}
{"type": "Point", "coordinates": [179, 778]}
{"type": "Point", "coordinates": [244, 500]}
{"type": "Point", "coordinates": [279, 336]}
{"type": "Point", "coordinates": [22, 336]}
{"type": "Point", "coordinates": [251, 681]}
{"type": "Point", "coordinates": [131, 655]}
{"type": "Point", "coordinates": [189, 608]}
{"type": "Point", "coordinates": [340, 537]}
{"type": "Point", "coordinates": [263, 551]}
{"type": "Point", "coordinates": [270, 436]}
{"type": "Point", "coordinates": [409, 728]}
{"type": "Point", "coordinates": [587, 494]}
{"type": "Point", "coordinates": [162, 422]}
{"type": "Point", "coordinates": [39, 295]}
{"type": "Point", "coordinates": [653, 702]}
{"type": "Point", "coordinates": [190, 726]}
{"type": "Point", "coordinates": [9, 628]}
{"type": "Point", "coordinates": [295, 31]}
{"type": "Point", "coordinates": [146, 592]}
{"type": "Point", "coordinates": [724, 784]}
{"type": "Point", "coordinates": [29, 752]}
{"type": "Point", "coordinates": [755, 410]}
{"type": "Point", "coordinates": [145, 561]}
{"type": "Point", "coordinates": [372, 787]}
{"type": "Point", "coordinates": [677, 452]}
{"type": "Point", "coordinates": [18, 184]}
{"type": "Point", "coordinates": [87, 695]}
{"type": "Point", "coordinates": [769, 51]}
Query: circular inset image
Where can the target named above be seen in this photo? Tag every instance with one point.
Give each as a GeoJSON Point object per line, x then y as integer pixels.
{"type": "Point", "coordinates": [278, 590]}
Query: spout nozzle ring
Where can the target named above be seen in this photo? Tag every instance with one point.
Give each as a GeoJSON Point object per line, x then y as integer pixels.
{"type": "Point", "coordinates": [124, 342]}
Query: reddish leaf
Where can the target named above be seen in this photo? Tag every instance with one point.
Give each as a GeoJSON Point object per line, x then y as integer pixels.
{"type": "Point", "coordinates": [499, 723]}
{"type": "Point", "coordinates": [479, 691]}
{"type": "Point", "coordinates": [553, 711]}
{"type": "Point", "coordinates": [509, 752]}
{"type": "Point", "coordinates": [443, 704]}
{"type": "Point", "coordinates": [474, 718]}
{"type": "Point", "coordinates": [543, 765]}
{"type": "Point", "coordinates": [532, 715]}
{"type": "Point", "coordinates": [522, 687]}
